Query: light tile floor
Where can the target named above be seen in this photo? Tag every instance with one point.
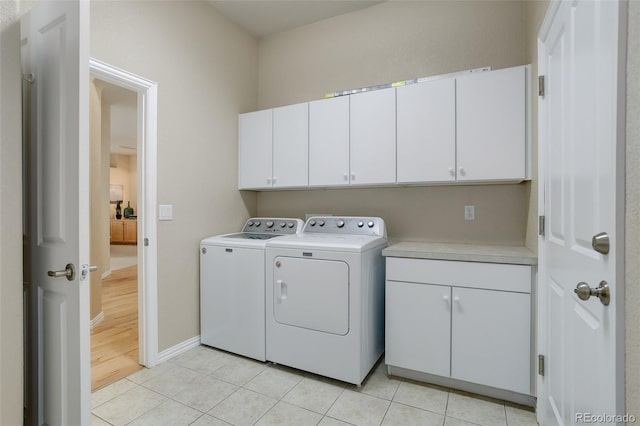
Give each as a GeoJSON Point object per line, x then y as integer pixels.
{"type": "Point", "coordinates": [205, 386]}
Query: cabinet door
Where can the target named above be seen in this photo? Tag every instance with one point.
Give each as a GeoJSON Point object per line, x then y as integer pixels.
{"type": "Point", "coordinates": [418, 319]}
{"type": "Point", "coordinates": [117, 232]}
{"type": "Point", "coordinates": [426, 115]}
{"type": "Point", "coordinates": [491, 338]}
{"type": "Point", "coordinates": [373, 137]}
{"type": "Point", "coordinates": [291, 146]}
{"type": "Point", "coordinates": [255, 143]}
{"type": "Point", "coordinates": [491, 130]}
{"type": "Point", "coordinates": [130, 231]}
{"type": "Point", "coordinates": [329, 142]}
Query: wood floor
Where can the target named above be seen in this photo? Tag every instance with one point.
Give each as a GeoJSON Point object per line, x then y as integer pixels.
{"type": "Point", "coordinates": [114, 342]}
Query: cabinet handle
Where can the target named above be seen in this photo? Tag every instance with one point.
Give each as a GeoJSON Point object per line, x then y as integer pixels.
{"type": "Point", "coordinates": [456, 299]}
{"type": "Point", "coordinates": [452, 171]}
{"type": "Point", "coordinates": [346, 176]}
{"type": "Point", "coordinates": [461, 171]}
{"type": "Point", "coordinates": [269, 181]}
{"type": "Point", "coordinates": [274, 179]}
{"type": "Point", "coordinates": [353, 176]}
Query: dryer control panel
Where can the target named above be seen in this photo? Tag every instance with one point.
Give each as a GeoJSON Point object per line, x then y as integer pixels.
{"type": "Point", "coordinates": [349, 225]}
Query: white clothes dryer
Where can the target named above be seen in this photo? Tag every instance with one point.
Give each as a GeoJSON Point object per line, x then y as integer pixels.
{"type": "Point", "coordinates": [232, 286]}
{"type": "Point", "coordinates": [325, 297]}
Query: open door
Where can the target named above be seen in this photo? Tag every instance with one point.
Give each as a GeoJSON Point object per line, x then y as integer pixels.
{"type": "Point", "coordinates": [582, 197]}
{"type": "Point", "coordinates": [57, 36]}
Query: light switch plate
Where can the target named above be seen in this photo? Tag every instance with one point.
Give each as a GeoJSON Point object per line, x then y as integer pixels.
{"type": "Point", "coordinates": [469, 212]}
{"type": "Point", "coordinates": [166, 212]}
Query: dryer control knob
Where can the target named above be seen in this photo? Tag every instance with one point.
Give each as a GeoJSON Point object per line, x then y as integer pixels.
{"type": "Point", "coordinates": [258, 223]}
{"type": "Point", "coordinates": [360, 224]}
{"type": "Point", "coordinates": [321, 223]}
{"type": "Point", "coordinates": [312, 223]}
{"type": "Point", "coordinates": [370, 224]}
{"type": "Point", "coordinates": [282, 224]}
{"type": "Point", "coordinates": [250, 223]}
{"type": "Point", "coordinates": [269, 224]}
{"type": "Point", "coordinates": [291, 224]}
{"type": "Point", "coordinates": [340, 223]}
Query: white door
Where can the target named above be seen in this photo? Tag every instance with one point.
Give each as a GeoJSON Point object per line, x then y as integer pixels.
{"type": "Point", "coordinates": [373, 137]}
{"type": "Point", "coordinates": [491, 131]}
{"type": "Point", "coordinates": [426, 115]}
{"type": "Point", "coordinates": [58, 35]}
{"type": "Point", "coordinates": [580, 196]}
{"type": "Point", "coordinates": [329, 142]}
{"type": "Point", "coordinates": [255, 133]}
{"type": "Point", "coordinates": [291, 146]}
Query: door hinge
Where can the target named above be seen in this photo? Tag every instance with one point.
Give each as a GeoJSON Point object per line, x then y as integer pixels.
{"type": "Point", "coordinates": [146, 242]}
{"type": "Point", "coordinates": [541, 365]}
{"type": "Point", "coordinates": [541, 223]}
{"type": "Point", "coordinates": [29, 78]}
{"type": "Point", "coordinates": [541, 85]}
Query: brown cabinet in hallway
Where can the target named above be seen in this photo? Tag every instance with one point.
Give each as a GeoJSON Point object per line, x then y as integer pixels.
{"type": "Point", "coordinates": [124, 231]}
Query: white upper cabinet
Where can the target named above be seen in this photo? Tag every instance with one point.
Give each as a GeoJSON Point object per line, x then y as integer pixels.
{"type": "Point", "coordinates": [255, 149]}
{"type": "Point", "coordinates": [491, 125]}
{"type": "Point", "coordinates": [426, 115]}
{"type": "Point", "coordinates": [291, 146]}
{"type": "Point", "coordinates": [373, 137]}
{"type": "Point", "coordinates": [329, 142]}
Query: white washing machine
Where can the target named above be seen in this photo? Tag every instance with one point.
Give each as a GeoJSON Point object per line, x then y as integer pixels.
{"type": "Point", "coordinates": [232, 286]}
{"type": "Point", "coordinates": [325, 297]}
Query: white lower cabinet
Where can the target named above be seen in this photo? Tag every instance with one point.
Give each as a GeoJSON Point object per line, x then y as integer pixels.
{"type": "Point", "coordinates": [455, 320]}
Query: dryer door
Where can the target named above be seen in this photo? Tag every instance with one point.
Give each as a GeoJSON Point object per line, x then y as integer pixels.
{"type": "Point", "coordinates": [311, 294]}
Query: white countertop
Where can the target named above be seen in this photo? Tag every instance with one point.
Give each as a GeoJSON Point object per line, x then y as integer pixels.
{"type": "Point", "coordinates": [516, 255]}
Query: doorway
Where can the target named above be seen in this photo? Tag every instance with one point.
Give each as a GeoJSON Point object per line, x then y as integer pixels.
{"type": "Point", "coordinates": [114, 229]}
{"type": "Point", "coordinates": [126, 288]}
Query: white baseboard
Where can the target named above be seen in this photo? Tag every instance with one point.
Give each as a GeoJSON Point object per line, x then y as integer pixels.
{"type": "Point", "coordinates": [105, 274]}
{"type": "Point", "coordinates": [97, 320]}
{"type": "Point", "coordinates": [178, 349]}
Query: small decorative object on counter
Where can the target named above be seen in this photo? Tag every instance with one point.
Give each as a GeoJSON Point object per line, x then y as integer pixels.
{"type": "Point", "coordinates": [118, 210]}
{"type": "Point", "coordinates": [128, 211]}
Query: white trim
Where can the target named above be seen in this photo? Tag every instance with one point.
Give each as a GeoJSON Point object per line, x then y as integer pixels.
{"type": "Point", "coordinates": [105, 274]}
{"type": "Point", "coordinates": [178, 349]}
{"type": "Point", "coordinates": [97, 320]}
{"type": "Point", "coordinates": [147, 91]}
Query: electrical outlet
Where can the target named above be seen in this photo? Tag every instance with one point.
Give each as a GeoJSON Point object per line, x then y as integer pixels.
{"type": "Point", "coordinates": [469, 212]}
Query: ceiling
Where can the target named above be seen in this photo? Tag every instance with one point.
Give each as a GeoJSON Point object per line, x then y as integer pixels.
{"type": "Point", "coordinates": [265, 17]}
{"type": "Point", "coordinates": [123, 104]}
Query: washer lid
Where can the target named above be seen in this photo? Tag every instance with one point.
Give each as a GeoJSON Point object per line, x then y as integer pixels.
{"type": "Point", "coordinates": [329, 242]}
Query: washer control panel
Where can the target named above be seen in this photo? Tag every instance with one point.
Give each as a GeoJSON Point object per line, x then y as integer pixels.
{"type": "Point", "coordinates": [352, 225]}
{"type": "Point", "coordinates": [273, 224]}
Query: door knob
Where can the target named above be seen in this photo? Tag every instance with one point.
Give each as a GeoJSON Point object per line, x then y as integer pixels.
{"type": "Point", "coordinates": [600, 243]}
{"type": "Point", "coordinates": [584, 292]}
{"type": "Point", "coordinates": [69, 272]}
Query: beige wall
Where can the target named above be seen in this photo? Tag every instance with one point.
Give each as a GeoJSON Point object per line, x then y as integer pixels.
{"type": "Point", "coordinates": [126, 174]}
{"type": "Point", "coordinates": [11, 362]}
{"type": "Point", "coordinates": [632, 254]}
{"type": "Point", "coordinates": [97, 201]}
{"type": "Point", "coordinates": [206, 70]}
{"type": "Point", "coordinates": [394, 41]}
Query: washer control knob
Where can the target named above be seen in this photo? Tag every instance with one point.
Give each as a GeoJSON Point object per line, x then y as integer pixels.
{"type": "Point", "coordinates": [269, 224]}
{"type": "Point", "coordinates": [360, 224]}
{"type": "Point", "coordinates": [291, 224]}
{"type": "Point", "coordinates": [340, 223]}
{"type": "Point", "coordinates": [257, 223]}
{"type": "Point", "coordinates": [250, 223]}
{"type": "Point", "coordinates": [321, 222]}
{"type": "Point", "coordinates": [312, 222]}
{"type": "Point", "coordinates": [370, 224]}
{"type": "Point", "coordinates": [282, 224]}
